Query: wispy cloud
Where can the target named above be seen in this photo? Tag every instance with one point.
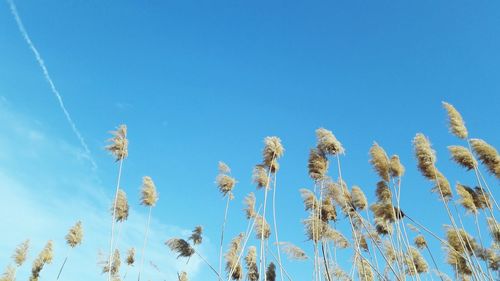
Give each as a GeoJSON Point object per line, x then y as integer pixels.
{"type": "Point", "coordinates": [44, 200]}
{"type": "Point", "coordinates": [53, 88]}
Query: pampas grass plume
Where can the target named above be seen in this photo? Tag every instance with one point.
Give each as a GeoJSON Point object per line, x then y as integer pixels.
{"type": "Point", "coordinates": [359, 200]}
{"type": "Point", "coordinates": [488, 156]}
{"type": "Point", "coordinates": [75, 235]}
{"type": "Point", "coordinates": [462, 156]}
{"type": "Point", "coordinates": [149, 196]}
{"type": "Point", "coordinates": [259, 176]}
{"type": "Point", "coordinates": [45, 257]}
{"type": "Point", "coordinates": [250, 205]}
{"type": "Point", "coordinates": [456, 123]}
{"type": "Point", "coordinates": [380, 161]}
{"type": "Point", "coordinates": [21, 253]}
{"type": "Point", "coordinates": [251, 264]}
{"type": "Point", "coordinates": [328, 143]}
{"type": "Point", "coordinates": [181, 247]}
{"type": "Point", "coordinates": [396, 168]}
{"type": "Point", "coordinates": [122, 207]}
{"type": "Point", "coordinates": [119, 143]}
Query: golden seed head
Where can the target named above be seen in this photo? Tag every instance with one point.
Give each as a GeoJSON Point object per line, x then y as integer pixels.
{"type": "Point", "coordinates": [293, 252]}
{"type": "Point", "coordinates": [251, 264]}
{"type": "Point", "coordinates": [122, 207]}
{"type": "Point", "coordinates": [262, 228]}
{"type": "Point", "coordinates": [328, 143]}
{"type": "Point", "coordinates": [396, 168]}
{"type": "Point", "coordinates": [149, 196]}
{"type": "Point", "coordinates": [462, 156]}
{"type": "Point", "coordinates": [317, 164]}
{"type": "Point", "coordinates": [21, 253]}
{"type": "Point", "coordinates": [130, 256]}
{"type": "Point", "coordinates": [466, 198]}
{"type": "Point", "coordinates": [233, 267]}
{"type": "Point", "coordinates": [250, 205]}
{"type": "Point", "coordinates": [359, 200]}
{"type": "Point", "coordinates": [196, 235]}
{"type": "Point", "coordinates": [181, 247]}
{"type": "Point", "coordinates": [456, 123]}
{"type": "Point", "coordinates": [420, 242]}
{"type": "Point", "coordinates": [488, 156]}
{"type": "Point", "coordinates": [119, 143]}
{"type": "Point", "coordinates": [273, 149]}
{"type": "Point", "coordinates": [75, 235]}
{"type": "Point", "coordinates": [260, 176]}
{"type": "Point", "coordinates": [380, 161]}
{"type": "Point", "coordinates": [271, 272]}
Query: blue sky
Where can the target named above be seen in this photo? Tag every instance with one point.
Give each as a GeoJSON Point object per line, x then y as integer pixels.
{"type": "Point", "coordinates": [202, 81]}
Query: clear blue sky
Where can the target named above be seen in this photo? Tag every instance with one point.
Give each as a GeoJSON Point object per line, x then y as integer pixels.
{"type": "Point", "coordinates": [203, 81]}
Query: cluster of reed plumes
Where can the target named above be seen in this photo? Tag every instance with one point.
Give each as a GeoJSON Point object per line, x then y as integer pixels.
{"type": "Point", "coordinates": [382, 240]}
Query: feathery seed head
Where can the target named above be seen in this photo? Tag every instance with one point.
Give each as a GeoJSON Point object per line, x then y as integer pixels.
{"type": "Point", "coordinates": [130, 257]}
{"type": "Point", "coordinates": [425, 156]}
{"type": "Point", "coordinates": [181, 247]}
{"type": "Point", "coordinates": [21, 253]}
{"type": "Point", "coordinates": [250, 205]}
{"type": "Point", "coordinates": [262, 228]}
{"type": "Point", "coordinates": [271, 272]}
{"type": "Point", "coordinates": [328, 143]}
{"type": "Point", "coordinates": [466, 198]}
{"type": "Point", "coordinates": [122, 207]}
{"type": "Point", "coordinates": [380, 161]}
{"type": "Point", "coordinates": [196, 236]}
{"type": "Point", "coordinates": [293, 252]}
{"type": "Point", "coordinates": [75, 235]}
{"type": "Point", "coordinates": [456, 123]}
{"type": "Point", "coordinates": [383, 192]}
{"type": "Point", "coordinates": [396, 168]}
{"type": "Point", "coordinates": [273, 149]}
{"type": "Point", "coordinates": [233, 267]}
{"type": "Point", "coordinates": [317, 164]}
{"type": "Point", "coordinates": [364, 270]}
{"type": "Point", "coordinates": [420, 242]}
{"type": "Point", "coordinates": [45, 257]}
{"type": "Point", "coordinates": [251, 264]}
{"type": "Point", "coordinates": [462, 156]}
{"type": "Point", "coordinates": [149, 196]}
{"type": "Point", "coordinates": [260, 176]}
{"type": "Point", "coordinates": [9, 274]}
{"type": "Point", "coordinates": [415, 263]}
{"type": "Point", "coordinates": [119, 143]}
{"type": "Point", "coordinates": [488, 156]}
{"type": "Point", "coordinates": [358, 198]}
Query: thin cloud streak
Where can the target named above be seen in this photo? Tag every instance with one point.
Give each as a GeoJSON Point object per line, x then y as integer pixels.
{"type": "Point", "coordinates": [53, 88]}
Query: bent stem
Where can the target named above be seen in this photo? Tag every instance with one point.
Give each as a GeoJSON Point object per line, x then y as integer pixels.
{"type": "Point", "coordinates": [276, 227]}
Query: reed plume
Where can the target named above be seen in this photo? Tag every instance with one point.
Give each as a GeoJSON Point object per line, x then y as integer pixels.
{"type": "Point", "coordinates": [130, 257]}
{"type": "Point", "coordinates": [9, 274]}
{"type": "Point", "coordinates": [415, 263]}
{"type": "Point", "coordinates": [467, 195]}
{"type": "Point", "coordinates": [251, 264]}
{"type": "Point", "coordinates": [180, 247]}
{"type": "Point", "coordinates": [75, 235]}
{"type": "Point", "coordinates": [365, 272]}
{"type": "Point", "coordinates": [21, 253]}
{"type": "Point", "coordinates": [224, 181]}
{"type": "Point", "coordinates": [273, 149]}
{"type": "Point", "coordinates": [259, 176]}
{"type": "Point", "coordinates": [494, 228]}
{"type": "Point", "coordinates": [328, 211]}
{"type": "Point", "coordinates": [119, 143]}
{"type": "Point", "coordinates": [456, 123]}
{"type": "Point", "coordinates": [328, 143]}
{"type": "Point", "coordinates": [115, 265]}
{"type": "Point", "coordinates": [45, 257]}
{"type": "Point", "coordinates": [488, 156]}
{"type": "Point", "coordinates": [318, 164]}
{"type": "Point", "coordinates": [395, 167]}
{"type": "Point", "coordinates": [359, 200]}
{"type": "Point", "coordinates": [420, 242]}
{"type": "Point", "coordinates": [262, 228]}
{"type": "Point", "coordinates": [196, 235]}
{"type": "Point", "coordinates": [149, 196]}
{"type": "Point", "coordinates": [234, 269]}
{"type": "Point", "coordinates": [426, 159]}
{"type": "Point", "coordinates": [383, 192]}
{"type": "Point", "coordinates": [309, 199]}
{"type": "Point", "coordinates": [250, 205]}
{"type": "Point", "coordinates": [271, 272]}
{"type": "Point", "coordinates": [293, 252]}
{"type": "Point", "coordinates": [121, 208]}
{"type": "Point", "coordinates": [183, 276]}
{"type": "Point", "coordinates": [462, 156]}
{"type": "Point", "coordinates": [380, 162]}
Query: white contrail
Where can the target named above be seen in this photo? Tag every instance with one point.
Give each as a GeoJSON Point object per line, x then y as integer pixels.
{"type": "Point", "coordinates": [39, 59]}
